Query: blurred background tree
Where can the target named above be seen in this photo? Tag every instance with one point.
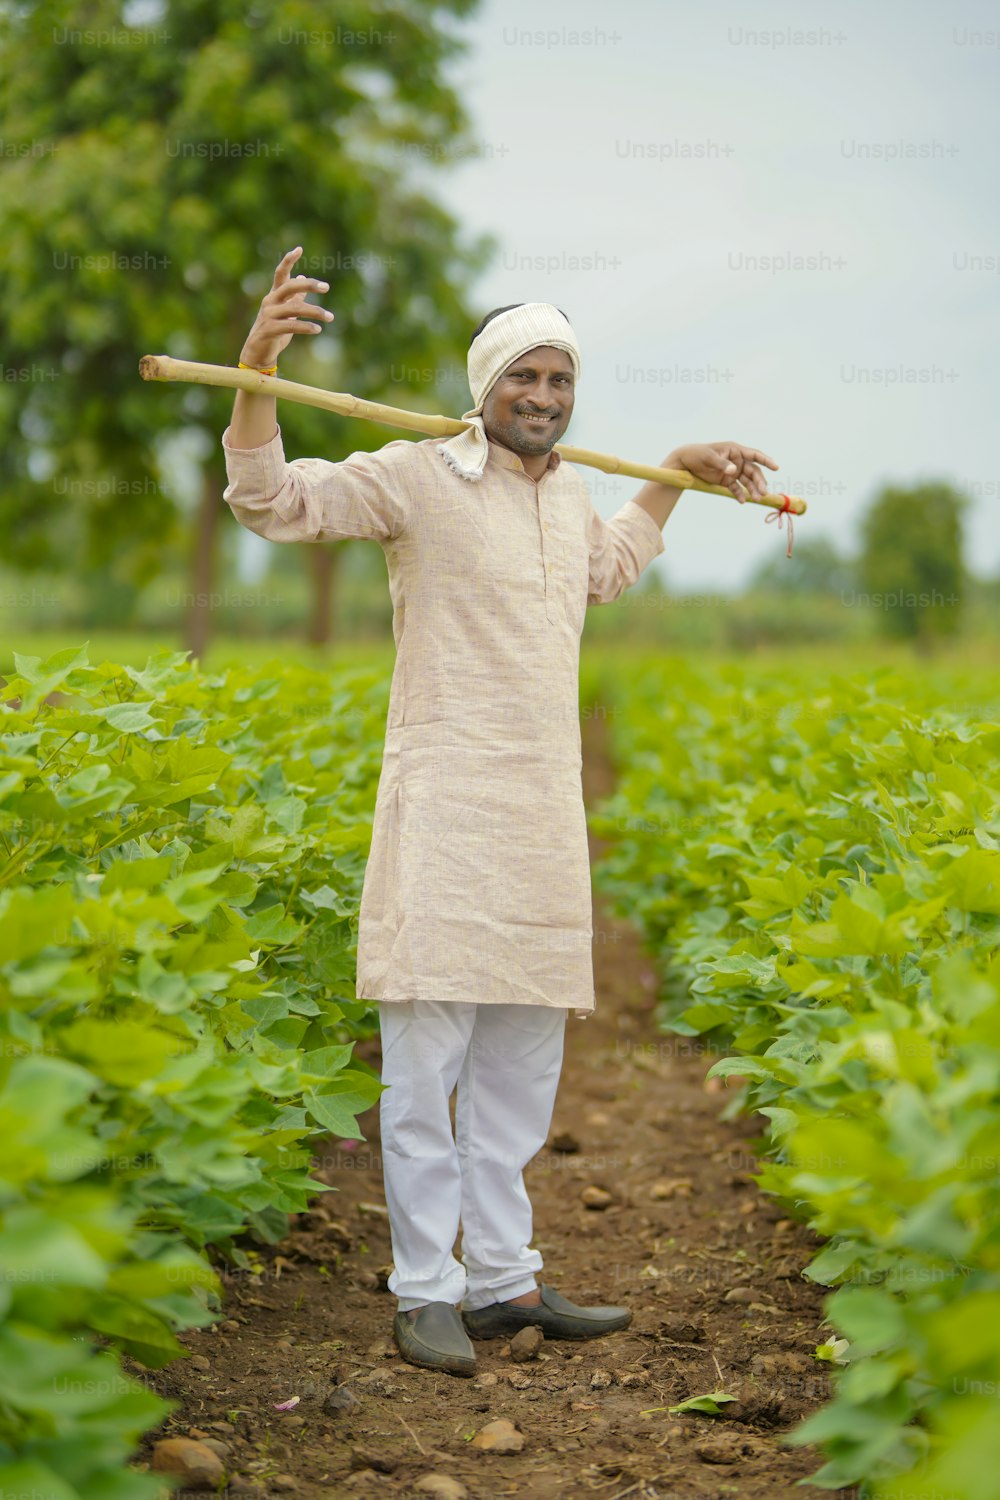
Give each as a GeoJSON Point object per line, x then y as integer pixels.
{"type": "Point", "coordinates": [911, 556]}
{"type": "Point", "coordinates": [815, 567]}
{"type": "Point", "coordinates": [159, 160]}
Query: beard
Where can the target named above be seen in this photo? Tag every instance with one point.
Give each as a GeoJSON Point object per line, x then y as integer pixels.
{"type": "Point", "coordinates": [514, 435]}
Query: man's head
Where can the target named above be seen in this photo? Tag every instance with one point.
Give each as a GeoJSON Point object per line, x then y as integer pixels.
{"type": "Point", "coordinates": [523, 360]}
{"type": "Point", "coordinates": [540, 383]}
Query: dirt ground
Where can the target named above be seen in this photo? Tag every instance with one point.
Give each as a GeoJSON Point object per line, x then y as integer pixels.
{"type": "Point", "coordinates": [706, 1262]}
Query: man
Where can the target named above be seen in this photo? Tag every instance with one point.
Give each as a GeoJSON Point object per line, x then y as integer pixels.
{"type": "Point", "coordinates": [475, 926]}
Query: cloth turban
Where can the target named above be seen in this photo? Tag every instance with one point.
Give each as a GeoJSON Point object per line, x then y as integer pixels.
{"type": "Point", "coordinates": [504, 339]}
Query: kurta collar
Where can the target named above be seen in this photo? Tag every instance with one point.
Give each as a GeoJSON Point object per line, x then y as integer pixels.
{"type": "Point", "coordinates": [508, 459]}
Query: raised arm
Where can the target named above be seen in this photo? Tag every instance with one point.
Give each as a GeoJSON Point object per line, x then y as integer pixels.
{"type": "Point", "coordinates": [283, 313]}
{"type": "Point", "coordinates": [309, 499]}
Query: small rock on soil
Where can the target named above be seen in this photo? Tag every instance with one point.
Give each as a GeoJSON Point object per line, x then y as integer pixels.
{"type": "Point", "coordinates": [500, 1436]}
{"type": "Point", "coordinates": [526, 1344]}
{"type": "Point", "coordinates": [196, 1464]}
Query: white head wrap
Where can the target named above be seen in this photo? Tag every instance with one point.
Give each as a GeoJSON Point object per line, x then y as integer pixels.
{"type": "Point", "coordinates": [504, 339]}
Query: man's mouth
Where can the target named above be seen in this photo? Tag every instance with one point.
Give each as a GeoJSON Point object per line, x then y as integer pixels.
{"type": "Point", "coordinates": [537, 421]}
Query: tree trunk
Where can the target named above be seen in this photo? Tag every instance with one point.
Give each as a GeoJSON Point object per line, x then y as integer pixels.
{"type": "Point", "coordinates": [198, 620]}
{"type": "Point", "coordinates": [324, 561]}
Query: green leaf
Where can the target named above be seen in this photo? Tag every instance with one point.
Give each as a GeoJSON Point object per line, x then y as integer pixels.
{"type": "Point", "coordinates": [712, 1403]}
{"type": "Point", "coordinates": [972, 883]}
{"type": "Point", "coordinates": [833, 1262]}
{"type": "Point", "coordinates": [136, 1330]}
{"type": "Point", "coordinates": [272, 927]}
{"type": "Point", "coordinates": [125, 1052]}
{"type": "Point", "coordinates": [871, 1319]}
{"type": "Point", "coordinates": [35, 1249]}
{"type": "Point", "coordinates": [135, 874]}
{"type": "Point", "coordinates": [30, 1476]}
{"type": "Point", "coordinates": [324, 1062]}
{"type": "Point", "coordinates": [332, 1113]}
{"type": "Point", "coordinates": [127, 718]}
{"type": "Point", "coordinates": [32, 920]}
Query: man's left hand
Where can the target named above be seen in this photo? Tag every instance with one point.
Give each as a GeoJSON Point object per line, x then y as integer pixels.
{"type": "Point", "coordinates": [729, 464]}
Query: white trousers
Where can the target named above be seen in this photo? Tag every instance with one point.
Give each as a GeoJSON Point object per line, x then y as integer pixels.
{"type": "Point", "coordinates": [505, 1061]}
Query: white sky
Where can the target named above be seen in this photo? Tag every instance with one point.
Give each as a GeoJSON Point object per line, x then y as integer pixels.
{"type": "Point", "coordinates": [786, 167]}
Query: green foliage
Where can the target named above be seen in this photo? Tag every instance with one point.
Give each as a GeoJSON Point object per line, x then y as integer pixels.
{"type": "Point", "coordinates": [184, 859]}
{"type": "Point", "coordinates": [815, 862]}
{"type": "Point", "coordinates": [911, 560]}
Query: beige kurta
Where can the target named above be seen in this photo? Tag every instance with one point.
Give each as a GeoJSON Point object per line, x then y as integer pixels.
{"type": "Point", "coordinates": [477, 885]}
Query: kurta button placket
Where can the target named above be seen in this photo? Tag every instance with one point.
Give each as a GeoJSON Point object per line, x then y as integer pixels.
{"type": "Point", "coordinates": [552, 607]}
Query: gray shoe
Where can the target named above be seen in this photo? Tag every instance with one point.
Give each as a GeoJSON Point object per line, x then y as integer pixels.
{"type": "Point", "coordinates": [435, 1339]}
{"type": "Point", "coordinates": [556, 1316]}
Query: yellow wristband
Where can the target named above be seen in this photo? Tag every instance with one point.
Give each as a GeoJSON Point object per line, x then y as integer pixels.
{"type": "Point", "coordinates": [271, 370]}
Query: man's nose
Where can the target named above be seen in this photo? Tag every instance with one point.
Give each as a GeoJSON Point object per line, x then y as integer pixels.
{"type": "Point", "coordinates": [545, 395]}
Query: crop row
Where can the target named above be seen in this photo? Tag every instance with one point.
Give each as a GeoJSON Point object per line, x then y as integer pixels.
{"type": "Point", "coordinates": [182, 858]}
{"type": "Point", "coordinates": [815, 865]}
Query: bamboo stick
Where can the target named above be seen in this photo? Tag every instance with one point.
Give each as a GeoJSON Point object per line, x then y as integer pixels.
{"type": "Point", "coordinates": [164, 367]}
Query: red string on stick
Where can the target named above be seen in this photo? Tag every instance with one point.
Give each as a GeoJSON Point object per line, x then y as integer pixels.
{"type": "Point", "coordinates": [779, 515]}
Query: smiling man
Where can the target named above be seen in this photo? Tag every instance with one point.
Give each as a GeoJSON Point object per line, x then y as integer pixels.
{"type": "Point", "coordinates": [475, 934]}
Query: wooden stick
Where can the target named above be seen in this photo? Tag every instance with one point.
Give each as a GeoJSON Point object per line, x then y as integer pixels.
{"type": "Point", "coordinates": [163, 367]}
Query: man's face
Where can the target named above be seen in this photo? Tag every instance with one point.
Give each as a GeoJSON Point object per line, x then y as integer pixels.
{"type": "Point", "coordinates": [539, 383]}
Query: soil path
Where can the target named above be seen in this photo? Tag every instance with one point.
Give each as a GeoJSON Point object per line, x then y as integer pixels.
{"type": "Point", "coordinates": [684, 1228]}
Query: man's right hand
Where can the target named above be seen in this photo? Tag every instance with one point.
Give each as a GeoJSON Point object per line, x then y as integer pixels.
{"type": "Point", "coordinates": [283, 314]}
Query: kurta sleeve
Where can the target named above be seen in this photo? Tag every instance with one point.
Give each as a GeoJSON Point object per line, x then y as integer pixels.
{"type": "Point", "coordinates": [312, 499]}
{"type": "Point", "coordinates": [619, 550]}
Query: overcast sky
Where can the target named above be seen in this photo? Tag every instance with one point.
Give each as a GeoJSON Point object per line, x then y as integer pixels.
{"type": "Point", "coordinates": [646, 166]}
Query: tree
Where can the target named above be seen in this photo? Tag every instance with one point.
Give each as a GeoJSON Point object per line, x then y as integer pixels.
{"type": "Point", "coordinates": [911, 561]}
{"type": "Point", "coordinates": [816, 567]}
{"type": "Point", "coordinates": [153, 175]}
